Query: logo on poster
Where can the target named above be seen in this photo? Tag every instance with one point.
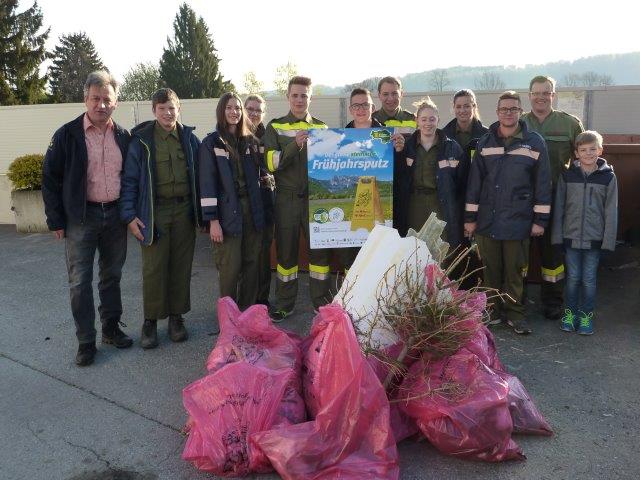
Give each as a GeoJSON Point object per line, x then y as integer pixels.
{"type": "Point", "coordinates": [336, 214]}
{"type": "Point", "coordinates": [321, 215]}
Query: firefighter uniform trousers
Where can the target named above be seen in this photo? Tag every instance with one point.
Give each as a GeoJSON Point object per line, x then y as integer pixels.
{"type": "Point", "coordinates": [237, 260]}
{"type": "Point", "coordinates": [292, 214]}
{"type": "Point", "coordinates": [552, 266]}
{"type": "Point", "coordinates": [505, 266]}
{"type": "Point", "coordinates": [166, 263]}
{"type": "Point", "coordinates": [559, 131]}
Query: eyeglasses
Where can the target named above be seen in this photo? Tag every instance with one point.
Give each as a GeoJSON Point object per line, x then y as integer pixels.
{"type": "Point", "coordinates": [541, 94]}
{"type": "Point", "coordinates": [361, 106]}
{"type": "Point", "coordinates": [505, 110]}
{"type": "Point", "coordinates": [255, 110]}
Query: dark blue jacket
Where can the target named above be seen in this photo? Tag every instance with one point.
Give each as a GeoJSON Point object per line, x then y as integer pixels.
{"type": "Point", "coordinates": [64, 173]}
{"type": "Point", "coordinates": [218, 195]}
{"type": "Point", "coordinates": [509, 188]}
{"type": "Point", "coordinates": [451, 176]}
{"type": "Point", "coordinates": [137, 196]}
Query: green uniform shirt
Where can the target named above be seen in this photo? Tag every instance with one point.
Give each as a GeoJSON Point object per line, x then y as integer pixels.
{"type": "Point", "coordinates": [401, 121]}
{"type": "Point", "coordinates": [424, 173]}
{"type": "Point", "coordinates": [424, 197]}
{"type": "Point", "coordinates": [559, 131]}
{"type": "Point", "coordinates": [283, 158]}
{"type": "Point", "coordinates": [463, 138]}
{"type": "Point", "coordinates": [509, 140]}
{"type": "Point", "coordinates": [172, 178]}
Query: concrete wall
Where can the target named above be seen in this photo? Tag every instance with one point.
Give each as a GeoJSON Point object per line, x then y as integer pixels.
{"type": "Point", "coordinates": [28, 129]}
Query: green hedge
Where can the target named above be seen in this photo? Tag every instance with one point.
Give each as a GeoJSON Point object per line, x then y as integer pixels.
{"type": "Point", "coordinates": [25, 172]}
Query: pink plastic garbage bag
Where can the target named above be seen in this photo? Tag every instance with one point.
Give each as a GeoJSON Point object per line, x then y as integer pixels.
{"type": "Point", "coordinates": [250, 336]}
{"type": "Point", "coordinates": [526, 417]}
{"type": "Point", "coordinates": [350, 438]}
{"type": "Point", "coordinates": [226, 407]}
{"type": "Point", "coordinates": [461, 407]}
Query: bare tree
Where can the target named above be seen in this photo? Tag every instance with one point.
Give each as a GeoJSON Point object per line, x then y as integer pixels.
{"type": "Point", "coordinates": [593, 79]}
{"type": "Point", "coordinates": [489, 81]}
{"type": "Point", "coordinates": [439, 80]}
{"type": "Point", "coordinates": [571, 80]}
{"type": "Point", "coordinates": [252, 84]}
{"type": "Point", "coordinates": [283, 75]}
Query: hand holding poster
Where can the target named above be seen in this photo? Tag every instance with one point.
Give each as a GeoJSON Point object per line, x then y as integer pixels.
{"type": "Point", "coordinates": [350, 185]}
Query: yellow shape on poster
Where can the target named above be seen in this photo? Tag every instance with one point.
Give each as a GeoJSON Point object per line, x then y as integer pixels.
{"type": "Point", "coordinates": [367, 208]}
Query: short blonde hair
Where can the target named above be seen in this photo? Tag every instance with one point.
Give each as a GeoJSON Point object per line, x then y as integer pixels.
{"type": "Point", "coordinates": [423, 103]}
{"type": "Point", "coordinates": [589, 136]}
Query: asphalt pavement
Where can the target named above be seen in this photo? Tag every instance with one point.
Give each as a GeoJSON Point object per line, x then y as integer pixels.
{"type": "Point", "coordinates": [121, 418]}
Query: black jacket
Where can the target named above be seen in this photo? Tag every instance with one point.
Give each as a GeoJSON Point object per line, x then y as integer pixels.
{"type": "Point", "coordinates": [64, 173]}
{"type": "Point", "coordinates": [218, 196]}
{"type": "Point", "coordinates": [451, 176]}
{"type": "Point", "coordinates": [509, 188]}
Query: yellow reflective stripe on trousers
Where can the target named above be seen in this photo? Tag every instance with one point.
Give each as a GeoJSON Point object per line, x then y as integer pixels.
{"type": "Point", "coordinates": [273, 160]}
{"type": "Point", "coordinates": [319, 272]}
{"type": "Point", "coordinates": [553, 275]}
{"type": "Point", "coordinates": [286, 274]}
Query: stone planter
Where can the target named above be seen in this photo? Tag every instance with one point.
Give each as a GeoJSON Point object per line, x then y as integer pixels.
{"type": "Point", "coordinates": [29, 210]}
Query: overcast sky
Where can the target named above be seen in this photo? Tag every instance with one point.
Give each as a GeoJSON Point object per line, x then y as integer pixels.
{"type": "Point", "coordinates": [338, 42]}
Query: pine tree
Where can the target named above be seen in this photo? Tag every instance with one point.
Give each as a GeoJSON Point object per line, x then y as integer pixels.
{"type": "Point", "coordinates": [73, 60]}
{"type": "Point", "coordinates": [189, 63]}
{"type": "Point", "coordinates": [21, 53]}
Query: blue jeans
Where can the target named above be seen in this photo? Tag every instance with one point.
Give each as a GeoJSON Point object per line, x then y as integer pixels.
{"type": "Point", "coordinates": [102, 231]}
{"type": "Point", "coordinates": [582, 270]}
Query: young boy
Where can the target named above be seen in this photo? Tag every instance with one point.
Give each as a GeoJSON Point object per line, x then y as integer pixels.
{"type": "Point", "coordinates": [159, 204]}
{"type": "Point", "coordinates": [585, 222]}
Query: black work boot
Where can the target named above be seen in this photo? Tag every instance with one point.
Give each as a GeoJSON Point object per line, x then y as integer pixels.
{"type": "Point", "coordinates": [112, 335]}
{"type": "Point", "coordinates": [177, 332]}
{"type": "Point", "coordinates": [149, 336]}
{"type": "Point", "coordinates": [86, 354]}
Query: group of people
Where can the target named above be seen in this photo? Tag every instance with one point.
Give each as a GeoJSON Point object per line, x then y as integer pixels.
{"type": "Point", "coordinates": [246, 184]}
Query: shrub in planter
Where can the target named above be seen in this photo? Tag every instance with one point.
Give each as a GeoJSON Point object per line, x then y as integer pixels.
{"type": "Point", "coordinates": [25, 172]}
